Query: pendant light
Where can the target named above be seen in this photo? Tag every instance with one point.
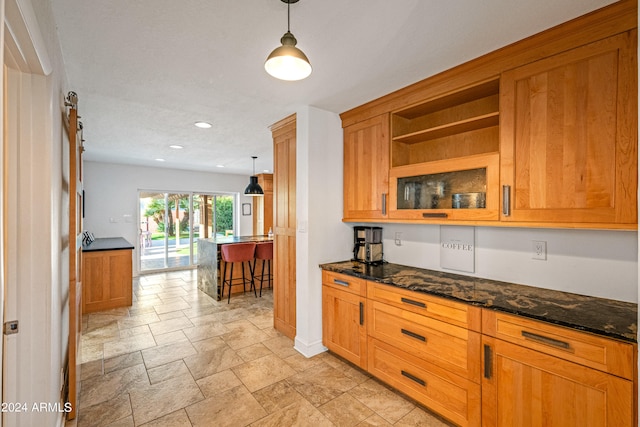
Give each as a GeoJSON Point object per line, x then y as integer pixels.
{"type": "Point", "coordinates": [253, 189]}
{"type": "Point", "coordinates": [287, 62]}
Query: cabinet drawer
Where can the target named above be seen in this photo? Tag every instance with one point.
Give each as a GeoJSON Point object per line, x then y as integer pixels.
{"type": "Point", "coordinates": [442, 391]}
{"type": "Point", "coordinates": [458, 314]}
{"type": "Point", "coordinates": [344, 282]}
{"type": "Point", "coordinates": [607, 355]}
{"type": "Point", "coordinates": [450, 347]}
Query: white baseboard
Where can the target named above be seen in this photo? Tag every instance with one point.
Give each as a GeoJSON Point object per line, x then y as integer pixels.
{"type": "Point", "coordinates": [309, 349]}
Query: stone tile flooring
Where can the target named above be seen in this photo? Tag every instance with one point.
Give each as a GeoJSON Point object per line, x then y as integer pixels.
{"type": "Point", "coordinates": [178, 358]}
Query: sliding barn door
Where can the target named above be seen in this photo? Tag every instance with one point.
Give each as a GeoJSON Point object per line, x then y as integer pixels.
{"type": "Point", "coordinates": [74, 130]}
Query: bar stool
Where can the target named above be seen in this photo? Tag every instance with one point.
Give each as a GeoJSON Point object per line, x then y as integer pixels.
{"type": "Point", "coordinates": [264, 252]}
{"type": "Point", "coordinates": [233, 253]}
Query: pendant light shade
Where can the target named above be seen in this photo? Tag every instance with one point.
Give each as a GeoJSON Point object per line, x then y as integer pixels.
{"type": "Point", "coordinates": [287, 62]}
{"type": "Point", "coordinates": [253, 189]}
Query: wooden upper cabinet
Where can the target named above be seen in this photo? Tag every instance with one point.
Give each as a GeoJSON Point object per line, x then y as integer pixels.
{"type": "Point", "coordinates": [568, 135]}
{"type": "Point", "coordinates": [366, 169]}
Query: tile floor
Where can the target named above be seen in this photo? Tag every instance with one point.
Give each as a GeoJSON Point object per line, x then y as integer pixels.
{"type": "Point", "coordinates": [179, 358]}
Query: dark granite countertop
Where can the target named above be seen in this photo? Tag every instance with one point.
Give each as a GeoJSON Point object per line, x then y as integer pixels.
{"type": "Point", "coordinates": [107, 244]}
{"type": "Point", "coordinates": [611, 318]}
{"type": "Point", "coordinates": [225, 240]}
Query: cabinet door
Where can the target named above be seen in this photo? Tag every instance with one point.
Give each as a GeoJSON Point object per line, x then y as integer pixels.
{"type": "Point", "coordinates": [523, 387]}
{"type": "Point", "coordinates": [569, 137]}
{"type": "Point", "coordinates": [366, 169]}
{"type": "Point", "coordinates": [284, 224]}
{"type": "Point", "coordinates": [107, 280]}
{"type": "Point", "coordinates": [343, 328]}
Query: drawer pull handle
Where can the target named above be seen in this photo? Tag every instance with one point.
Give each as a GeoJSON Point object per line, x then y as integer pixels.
{"type": "Point", "coordinates": [488, 363]}
{"type": "Point", "coordinates": [413, 335]}
{"type": "Point", "coordinates": [435, 215]}
{"type": "Point", "coordinates": [413, 378]}
{"type": "Point", "coordinates": [412, 302]}
{"type": "Point", "coordinates": [361, 313]}
{"type": "Point", "coordinates": [341, 282]}
{"type": "Point", "coordinates": [546, 340]}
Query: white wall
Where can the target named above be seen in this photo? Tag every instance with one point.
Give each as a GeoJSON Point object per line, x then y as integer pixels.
{"type": "Point", "coordinates": [321, 236]}
{"type": "Point", "coordinates": [111, 195]}
{"type": "Point", "coordinates": [37, 238]}
{"type": "Point", "coordinates": [590, 262]}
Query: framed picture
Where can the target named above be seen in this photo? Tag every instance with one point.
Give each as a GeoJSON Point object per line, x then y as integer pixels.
{"type": "Point", "coordinates": [246, 209]}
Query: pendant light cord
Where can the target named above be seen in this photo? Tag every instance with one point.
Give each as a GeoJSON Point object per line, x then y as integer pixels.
{"type": "Point", "coordinates": [288, 16]}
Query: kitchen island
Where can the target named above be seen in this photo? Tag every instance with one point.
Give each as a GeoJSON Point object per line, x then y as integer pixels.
{"type": "Point", "coordinates": [210, 262]}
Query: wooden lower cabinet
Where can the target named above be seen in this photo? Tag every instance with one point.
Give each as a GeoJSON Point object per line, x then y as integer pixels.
{"type": "Point", "coordinates": [524, 387]}
{"type": "Point", "coordinates": [107, 280]}
{"type": "Point", "coordinates": [442, 391]}
{"type": "Point", "coordinates": [451, 347]}
{"type": "Point", "coordinates": [480, 367]}
{"type": "Point", "coordinates": [343, 329]}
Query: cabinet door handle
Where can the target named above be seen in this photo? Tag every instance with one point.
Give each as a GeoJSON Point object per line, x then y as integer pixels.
{"type": "Point", "coordinates": [413, 378]}
{"type": "Point", "coordinates": [546, 340]}
{"type": "Point", "coordinates": [488, 362]}
{"type": "Point", "coordinates": [506, 200]}
{"type": "Point", "coordinates": [384, 203]}
{"type": "Point", "coordinates": [413, 335]}
{"type": "Point", "coordinates": [341, 282]}
{"type": "Point", "coordinates": [412, 302]}
{"type": "Point", "coordinates": [435, 215]}
{"type": "Point", "coordinates": [361, 313]}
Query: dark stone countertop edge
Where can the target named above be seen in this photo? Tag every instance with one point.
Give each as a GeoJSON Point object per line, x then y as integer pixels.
{"type": "Point", "coordinates": [627, 322]}
{"type": "Point", "coordinates": [107, 244]}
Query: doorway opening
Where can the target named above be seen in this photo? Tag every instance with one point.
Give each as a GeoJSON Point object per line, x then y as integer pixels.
{"type": "Point", "coordinates": [172, 223]}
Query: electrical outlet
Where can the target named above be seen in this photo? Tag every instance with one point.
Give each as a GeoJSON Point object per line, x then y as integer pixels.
{"type": "Point", "coordinates": [398, 238]}
{"type": "Point", "coordinates": [539, 250]}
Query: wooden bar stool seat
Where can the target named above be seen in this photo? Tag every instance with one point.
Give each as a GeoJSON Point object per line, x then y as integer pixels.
{"type": "Point", "coordinates": [264, 252]}
{"type": "Point", "coordinates": [234, 253]}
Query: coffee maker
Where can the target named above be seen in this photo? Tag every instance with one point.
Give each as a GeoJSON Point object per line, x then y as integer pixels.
{"type": "Point", "coordinates": [367, 244]}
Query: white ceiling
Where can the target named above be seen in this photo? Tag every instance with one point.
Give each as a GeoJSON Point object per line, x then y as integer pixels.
{"type": "Point", "coordinates": [146, 70]}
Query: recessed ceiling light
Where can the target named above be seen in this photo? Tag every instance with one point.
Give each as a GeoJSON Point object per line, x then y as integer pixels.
{"type": "Point", "coordinates": [203, 125]}
{"type": "Point", "coordinates": [176, 147]}
{"type": "Point", "coordinates": [160, 160]}
{"type": "Point", "coordinates": [219, 166]}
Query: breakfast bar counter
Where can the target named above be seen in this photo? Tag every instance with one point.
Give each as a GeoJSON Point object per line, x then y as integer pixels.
{"type": "Point", "coordinates": [209, 260]}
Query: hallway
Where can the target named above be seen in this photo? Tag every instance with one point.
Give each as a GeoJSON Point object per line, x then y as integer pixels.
{"type": "Point", "coordinates": [179, 358]}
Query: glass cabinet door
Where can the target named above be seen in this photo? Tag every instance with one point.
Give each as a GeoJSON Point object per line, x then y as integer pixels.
{"type": "Point", "coordinates": [449, 190]}
{"type": "Point", "coordinates": [455, 189]}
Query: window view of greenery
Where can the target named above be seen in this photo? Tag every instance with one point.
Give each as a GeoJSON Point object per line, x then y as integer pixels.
{"type": "Point", "coordinates": [171, 224]}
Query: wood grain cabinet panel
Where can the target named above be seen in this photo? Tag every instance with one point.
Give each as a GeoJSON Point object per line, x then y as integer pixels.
{"type": "Point", "coordinates": [107, 280]}
{"type": "Point", "coordinates": [448, 311]}
{"type": "Point", "coordinates": [343, 329]}
{"type": "Point", "coordinates": [524, 387]}
{"type": "Point", "coordinates": [284, 223]}
{"type": "Point", "coordinates": [366, 169]}
{"type": "Point", "coordinates": [444, 392]}
{"type": "Point", "coordinates": [569, 137]}
{"type": "Point", "coordinates": [539, 374]}
{"type": "Point", "coordinates": [450, 347]}
{"type": "Point", "coordinates": [607, 355]}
